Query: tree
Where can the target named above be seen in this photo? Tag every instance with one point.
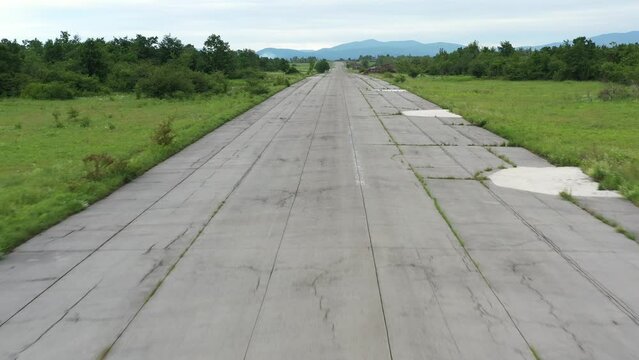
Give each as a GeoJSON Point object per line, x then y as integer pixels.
{"type": "Point", "coordinates": [322, 66]}
{"type": "Point", "coordinates": [61, 48]}
{"type": "Point", "coordinates": [144, 47]}
{"type": "Point", "coordinates": [247, 59]}
{"type": "Point", "coordinates": [92, 58]}
{"type": "Point", "coordinates": [218, 55]}
{"type": "Point", "coordinates": [506, 48]}
{"type": "Point", "coordinates": [311, 65]}
{"type": "Point", "coordinates": [581, 58]}
{"type": "Point", "coordinates": [11, 60]}
{"type": "Point", "coordinates": [170, 48]}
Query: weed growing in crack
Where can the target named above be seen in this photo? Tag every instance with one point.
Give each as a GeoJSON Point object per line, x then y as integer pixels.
{"type": "Point", "coordinates": [479, 175]}
{"type": "Point", "coordinates": [534, 352]}
{"type": "Point", "coordinates": [503, 158]}
{"type": "Point", "coordinates": [618, 228]}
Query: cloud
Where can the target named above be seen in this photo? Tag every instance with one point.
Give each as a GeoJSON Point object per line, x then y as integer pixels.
{"type": "Point", "coordinates": [293, 23]}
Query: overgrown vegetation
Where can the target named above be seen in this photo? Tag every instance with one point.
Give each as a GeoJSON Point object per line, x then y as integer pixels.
{"type": "Point", "coordinates": [149, 99]}
{"type": "Point", "coordinates": [580, 60]}
{"type": "Point", "coordinates": [163, 134]}
{"type": "Point", "coordinates": [566, 122]}
{"type": "Point", "coordinates": [322, 66]}
{"type": "Point", "coordinates": [66, 67]}
{"type": "Point", "coordinates": [49, 171]}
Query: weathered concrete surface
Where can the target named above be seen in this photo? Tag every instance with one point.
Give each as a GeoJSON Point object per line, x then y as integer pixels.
{"type": "Point", "coordinates": [302, 230]}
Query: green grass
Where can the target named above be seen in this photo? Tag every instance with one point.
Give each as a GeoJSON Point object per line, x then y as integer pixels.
{"type": "Point", "coordinates": [302, 67]}
{"type": "Point", "coordinates": [42, 175]}
{"type": "Point", "coordinates": [564, 122]}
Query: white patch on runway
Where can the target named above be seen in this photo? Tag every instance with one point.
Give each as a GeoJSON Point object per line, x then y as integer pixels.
{"type": "Point", "coordinates": [431, 113]}
{"type": "Point", "coordinates": [392, 90]}
{"type": "Point", "coordinates": [550, 180]}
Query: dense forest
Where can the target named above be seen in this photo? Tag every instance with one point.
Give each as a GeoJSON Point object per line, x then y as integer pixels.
{"type": "Point", "coordinates": [66, 67]}
{"type": "Point", "coordinates": [580, 59]}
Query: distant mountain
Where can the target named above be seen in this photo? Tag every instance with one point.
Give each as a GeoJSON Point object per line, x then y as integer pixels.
{"type": "Point", "coordinates": [631, 37]}
{"type": "Point", "coordinates": [354, 50]}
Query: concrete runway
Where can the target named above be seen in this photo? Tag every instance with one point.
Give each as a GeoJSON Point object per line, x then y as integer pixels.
{"type": "Point", "coordinates": [301, 230]}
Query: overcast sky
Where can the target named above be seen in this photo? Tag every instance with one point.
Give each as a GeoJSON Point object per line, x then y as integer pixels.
{"type": "Point", "coordinates": [312, 24]}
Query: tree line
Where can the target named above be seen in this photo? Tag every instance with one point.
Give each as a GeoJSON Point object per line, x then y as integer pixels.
{"type": "Point", "coordinates": [580, 59]}
{"type": "Point", "coordinates": [65, 67]}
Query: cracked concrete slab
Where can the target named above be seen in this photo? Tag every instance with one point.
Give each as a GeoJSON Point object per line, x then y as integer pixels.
{"type": "Point", "coordinates": [300, 230]}
{"type": "Point", "coordinates": [481, 136]}
{"type": "Point", "coordinates": [520, 156]}
{"type": "Point", "coordinates": [619, 210]}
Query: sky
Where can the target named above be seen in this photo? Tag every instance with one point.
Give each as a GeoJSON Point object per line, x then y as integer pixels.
{"type": "Point", "coordinates": [314, 24]}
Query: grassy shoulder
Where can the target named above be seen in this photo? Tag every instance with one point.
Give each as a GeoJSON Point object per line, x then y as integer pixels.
{"type": "Point", "coordinates": [43, 178]}
{"type": "Point", "coordinates": [565, 122]}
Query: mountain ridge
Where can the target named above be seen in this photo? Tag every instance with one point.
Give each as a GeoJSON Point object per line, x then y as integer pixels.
{"type": "Point", "coordinates": [356, 49]}
{"type": "Point", "coordinates": [373, 47]}
{"type": "Point", "coordinates": [630, 37]}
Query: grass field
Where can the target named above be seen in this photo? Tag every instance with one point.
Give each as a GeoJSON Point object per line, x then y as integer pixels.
{"type": "Point", "coordinates": [301, 67]}
{"type": "Point", "coordinates": [43, 178]}
{"type": "Point", "coordinates": [563, 121]}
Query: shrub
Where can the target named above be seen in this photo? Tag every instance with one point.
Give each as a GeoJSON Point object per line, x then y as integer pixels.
{"type": "Point", "coordinates": [617, 92]}
{"type": "Point", "coordinates": [84, 122]}
{"type": "Point", "coordinates": [56, 120]}
{"type": "Point", "coordinates": [250, 73]}
{"type": "Point", "coordinates": [81, 85]}
{"type": "Point", "coordinates": [163, 134]}
{"type": "Point", "coordinates": [12, 84]}
{"type": "Point", "coordinates": [281, 80]}
{"type": "Point", "coordinates": [215, 83]}
{"type": "Point", "coordinates": [124, 76]}
{"type": "Point", "coordinates": [218, 83]}
{"type": "Point", "coordinates": [58, 124]}
{"type": "Point", "coordinates": [72, 113]}
{"type": "Point", "coordinates": [200, 82]}
{"type": "Point", "coordinates": [481, 123]}
{"type": "Point", "coordinates": [50, 91]}
{"type": "Point", "coordinates": [97, 165]}
{"type": "Point", "coordinates": [256, 87]}
{"type": "Point", "coordinates": [292, 70]}
{"type": "Point", "coordinates": [175, 82]}
{"type": "Point", "coordinates": [167, 82]}
{"type": "Point", "coordinates": [400, 78]}
{"type": "Point", "coordinates": [322, 66]}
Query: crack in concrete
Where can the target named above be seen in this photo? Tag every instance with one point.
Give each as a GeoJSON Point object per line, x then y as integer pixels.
{"type": "Point", "coordinates": [188, 175]}
{"type": "Point", "coordinates": [64, 314]}
{"type": "Point", "coordinates": [107, 350]}
{"type": "Point", "coordinates": [612, 297]}
{"type": "Point", "coordinates": [155, 266]}
{"type": "Point", "coordinates": [368, 230]}
{"type": "Point", "coordinates": [512, 320]}
{"type": "Point", "coordinates": [270, 275]}
{"type": "Point", "coordinates": [526, 281]}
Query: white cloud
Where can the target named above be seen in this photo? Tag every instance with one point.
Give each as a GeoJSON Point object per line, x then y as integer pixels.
{"type": "Point", "coordinates": [298, 24]}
